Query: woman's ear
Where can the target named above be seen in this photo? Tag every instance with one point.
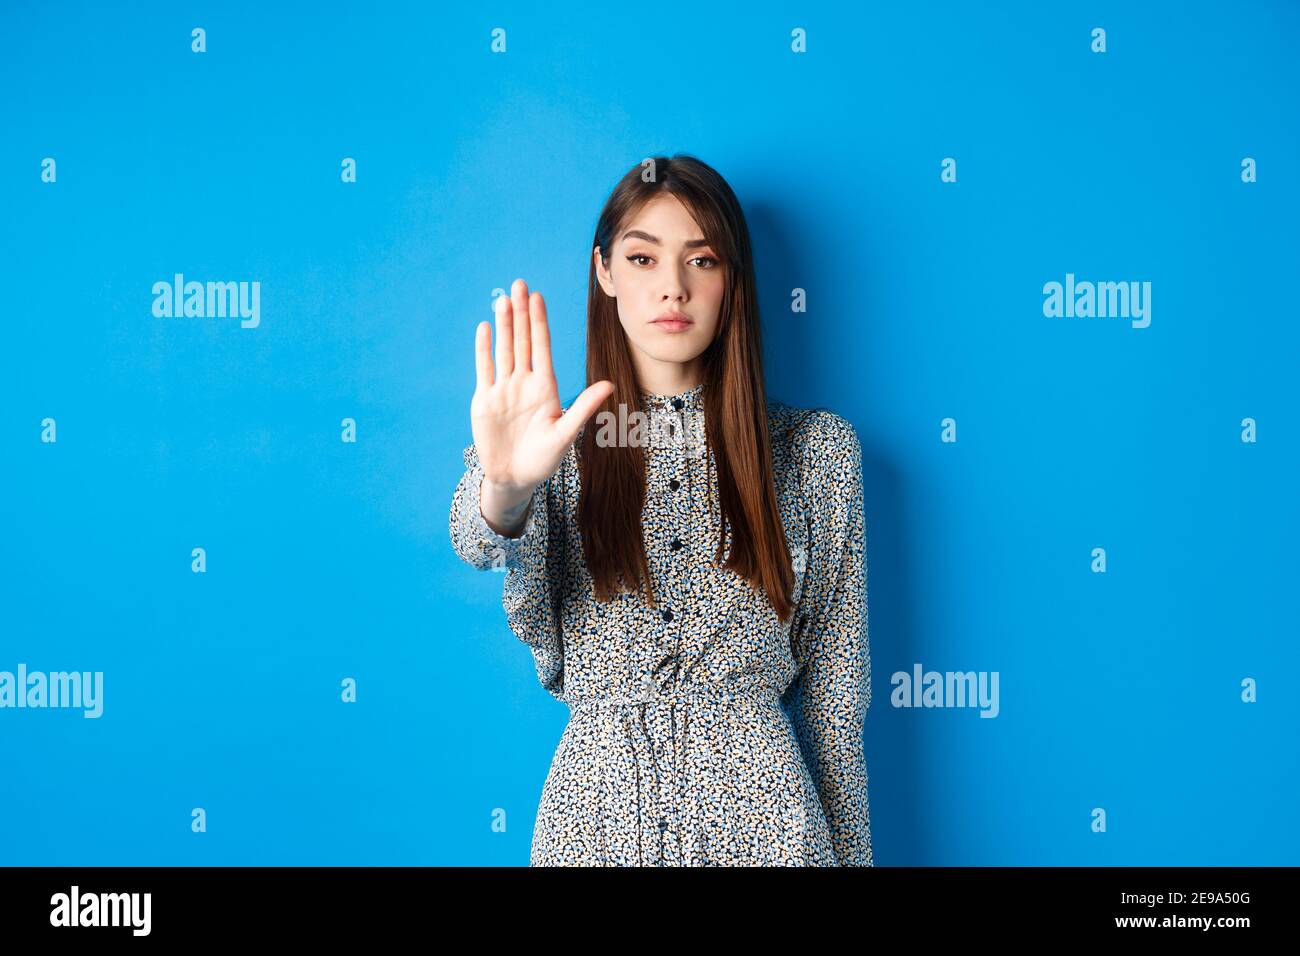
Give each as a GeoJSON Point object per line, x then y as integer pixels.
{"type": "Point", "coordinates": [602, 273]}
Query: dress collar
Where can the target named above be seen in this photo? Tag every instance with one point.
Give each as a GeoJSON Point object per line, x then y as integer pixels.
{"type": "Point", "coordinates": [691, 400]}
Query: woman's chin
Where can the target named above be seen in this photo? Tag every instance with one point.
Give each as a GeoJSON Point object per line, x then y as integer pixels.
{"type": "Point", "coordinates": [678, 351]}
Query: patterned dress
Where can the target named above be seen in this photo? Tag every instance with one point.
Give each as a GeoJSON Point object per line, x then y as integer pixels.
{"type": "Point", "coordinates": [703, 731]}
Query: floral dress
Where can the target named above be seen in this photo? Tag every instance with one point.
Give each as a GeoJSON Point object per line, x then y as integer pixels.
{"type": "Point", "coordinates": [703, 731]}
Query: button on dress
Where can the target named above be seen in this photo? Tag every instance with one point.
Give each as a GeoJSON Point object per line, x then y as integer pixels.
{"type": "Point", "coordinates": [702, 731]}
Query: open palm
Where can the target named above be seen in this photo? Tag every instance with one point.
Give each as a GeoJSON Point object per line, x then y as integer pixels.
{"type": "Point", "coordinates": [520, 430]}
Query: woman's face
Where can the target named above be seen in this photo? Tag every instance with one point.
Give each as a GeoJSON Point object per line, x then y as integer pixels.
{"type": "Point", "coordinates": [661, 264]}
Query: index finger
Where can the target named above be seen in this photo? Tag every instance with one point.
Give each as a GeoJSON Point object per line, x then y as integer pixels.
{"type": "Point", "coordinates": [541, 335]}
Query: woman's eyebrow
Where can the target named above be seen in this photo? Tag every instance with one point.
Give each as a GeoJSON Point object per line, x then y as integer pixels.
{"type": "Point", "coordinates": [638, 234]}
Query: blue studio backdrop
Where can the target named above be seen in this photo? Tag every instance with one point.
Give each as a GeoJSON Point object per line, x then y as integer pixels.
{"type": "Point", "coordinates": [1042, 256]}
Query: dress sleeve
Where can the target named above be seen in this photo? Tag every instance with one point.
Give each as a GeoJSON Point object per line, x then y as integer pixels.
{"type": "Point", "coordinates": [829, 696]}
{"type": "Point", "coordinates": [531, 563]}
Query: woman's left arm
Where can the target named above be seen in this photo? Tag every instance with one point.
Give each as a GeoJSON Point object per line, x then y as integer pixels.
{"type": "Point", "coordinates": [831, 692]}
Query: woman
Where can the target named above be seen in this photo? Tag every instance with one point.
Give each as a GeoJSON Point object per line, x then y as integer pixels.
{"type": "Point", "coordinates": [688, 570]}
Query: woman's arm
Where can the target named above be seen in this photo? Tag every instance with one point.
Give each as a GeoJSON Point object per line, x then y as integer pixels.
{"type": "Point", "coordinates": [531, 562]}
{"type": "Point", "coordinates": [504, 507]}
{"type": "Point", "coordinates": [831, 692]}
{"type": "Point", "coordinates": [521, 433]}
{"type": "Point", "coordinates": [503, 515]}
{"type": "Point", "coordinates": [480, 541]}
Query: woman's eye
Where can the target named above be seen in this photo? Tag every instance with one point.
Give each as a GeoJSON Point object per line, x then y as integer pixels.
{"type": "Point", "coordinates": [712, 262]}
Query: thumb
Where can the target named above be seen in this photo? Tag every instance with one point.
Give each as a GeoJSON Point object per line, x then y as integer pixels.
{"type": "Point", "coordinates": [583, 407]}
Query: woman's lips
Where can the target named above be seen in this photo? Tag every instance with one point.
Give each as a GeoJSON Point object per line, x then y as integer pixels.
{"type": "Point", "coordinates": [672, 325]}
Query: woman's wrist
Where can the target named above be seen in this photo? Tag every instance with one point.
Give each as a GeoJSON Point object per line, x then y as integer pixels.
{"type": "Point", "coordinates": [504, 507]}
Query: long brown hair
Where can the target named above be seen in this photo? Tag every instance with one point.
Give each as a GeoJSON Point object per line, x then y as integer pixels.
{"type": "Point", "coordinates": [735, 407]}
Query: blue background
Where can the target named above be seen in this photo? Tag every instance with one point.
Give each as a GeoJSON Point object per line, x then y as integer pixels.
{"type": "Point", "coordinates": [329, 560]}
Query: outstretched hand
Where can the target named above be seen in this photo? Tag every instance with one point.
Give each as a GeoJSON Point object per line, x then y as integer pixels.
{"type": "Point", "coordinates": [520, 430]}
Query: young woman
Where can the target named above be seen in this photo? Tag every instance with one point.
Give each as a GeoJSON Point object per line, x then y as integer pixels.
{"type": "Point", "coordinates": [688, 569]}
